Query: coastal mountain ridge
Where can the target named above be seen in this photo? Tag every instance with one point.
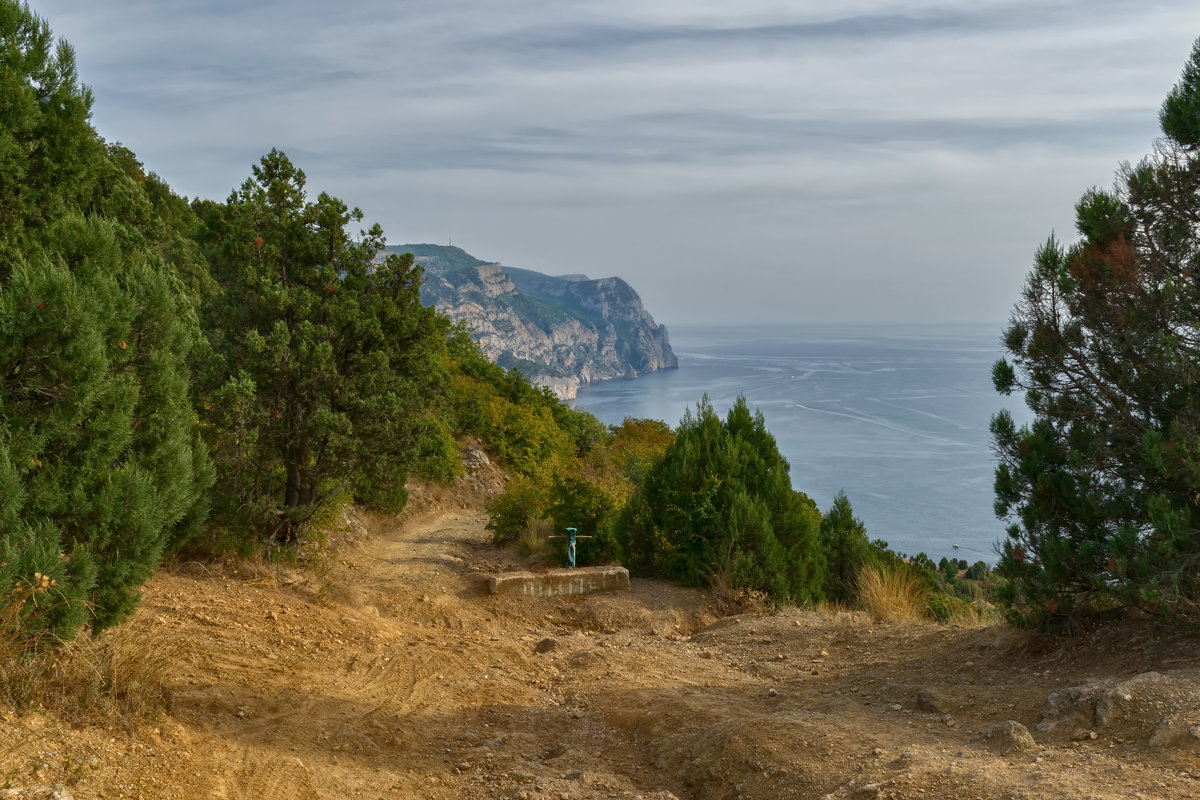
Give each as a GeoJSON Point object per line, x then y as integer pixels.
{"type": "Point", "coordinates": [561, 331]}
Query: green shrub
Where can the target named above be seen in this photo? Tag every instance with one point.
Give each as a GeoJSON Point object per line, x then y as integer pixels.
{"type": "Point", "coordinates": [522, 503]}
{"type": "Point", "coordinates": [719, 505]}
{"type": "Point", "coordinates": [944, 607]}
{"type": "Point", "coordinates": [847, 549]}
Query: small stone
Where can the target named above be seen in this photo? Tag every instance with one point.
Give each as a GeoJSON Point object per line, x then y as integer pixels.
{"type": "Point", "coordinates": [546, 645]}
{"type": "Point", "coordinates": [1008, 736]}
{"type": "Point", "coordinates": [772, 693]}
{"type": "Point", "coordinates": [895, 707]}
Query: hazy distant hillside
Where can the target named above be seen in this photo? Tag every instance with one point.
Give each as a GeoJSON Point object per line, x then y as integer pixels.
{"type": "Point", "coordinates": [562, 331]}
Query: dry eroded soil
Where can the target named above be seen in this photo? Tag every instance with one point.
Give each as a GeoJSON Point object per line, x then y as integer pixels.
{"type": "Point", "coordinates": [396, 675]}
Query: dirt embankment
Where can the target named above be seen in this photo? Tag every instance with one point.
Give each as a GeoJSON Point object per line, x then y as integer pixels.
{"type": "Point", "coordinates": [396, 676]}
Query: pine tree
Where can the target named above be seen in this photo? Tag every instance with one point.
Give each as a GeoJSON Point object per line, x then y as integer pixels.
{"type": "Point", "coordinates": [1103, 488]}
{"type": "Point", "coordinates": [846, 547]}
{"type": "Point", "coordinates": [48, 150]}
{"type": "Point", "coordinates": [327, 368]}
{"type": "Point", "coordinates": [101, 470]}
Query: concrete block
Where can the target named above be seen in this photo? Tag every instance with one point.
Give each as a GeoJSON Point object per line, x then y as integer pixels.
{"type": "Point", "coordinates": [552, 583]}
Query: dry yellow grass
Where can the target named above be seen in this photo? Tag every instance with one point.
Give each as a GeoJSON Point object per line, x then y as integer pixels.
{"type": "Point", "coordinates": [892, 594]}
{"type": "Point", "coordinates": [533, 541]}
{"type": "Point", "coordinates": [114, 675]}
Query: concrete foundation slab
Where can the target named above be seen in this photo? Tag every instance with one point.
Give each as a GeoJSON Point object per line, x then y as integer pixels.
{"type": "Point", "coordinates": [580, 580]}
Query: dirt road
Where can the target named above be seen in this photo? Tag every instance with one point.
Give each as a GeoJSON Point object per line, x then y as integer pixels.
{"type": "Point", "coordinates": [395, 675]}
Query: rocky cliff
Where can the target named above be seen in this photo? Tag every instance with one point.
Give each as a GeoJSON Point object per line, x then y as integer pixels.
{"type": "Point", "coordinates": [561, 331]}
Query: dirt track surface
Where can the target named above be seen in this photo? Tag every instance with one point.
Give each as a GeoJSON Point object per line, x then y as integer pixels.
{"type": "Point", "coordinates": [396, 675]}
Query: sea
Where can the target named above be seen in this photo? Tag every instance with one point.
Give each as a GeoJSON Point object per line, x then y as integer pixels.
{"type": "Point", "coordinates": [896, 416]}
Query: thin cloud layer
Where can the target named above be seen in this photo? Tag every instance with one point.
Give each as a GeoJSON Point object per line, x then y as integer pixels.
{"type": "Point", "coordinates": [848, 161]}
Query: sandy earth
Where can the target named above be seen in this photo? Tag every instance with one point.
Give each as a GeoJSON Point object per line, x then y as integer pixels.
{"type": "Point", "coordinates": [395, 675]}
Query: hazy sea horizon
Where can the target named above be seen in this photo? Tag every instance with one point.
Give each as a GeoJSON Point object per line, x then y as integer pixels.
{"type": "Point", "coordinates": [894, 415]}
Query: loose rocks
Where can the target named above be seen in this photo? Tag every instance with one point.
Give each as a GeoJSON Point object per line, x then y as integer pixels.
{"type": "Point", "coordinates": [37, 793]}
{"type": "Point", "coordinates": [1159, 709]}
{"type": "Point", "coordinates": [1007, 737]}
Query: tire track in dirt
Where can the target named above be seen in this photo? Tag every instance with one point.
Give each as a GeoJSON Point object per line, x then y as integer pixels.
{"type": "Point", "coordinates": [358, 712]}
{"type": "Point", "coordinates": [391, 680]}
{"type": "Point", "coordinates": [293, 685]}
{"type": "Point", "coordinates": [262, 776]}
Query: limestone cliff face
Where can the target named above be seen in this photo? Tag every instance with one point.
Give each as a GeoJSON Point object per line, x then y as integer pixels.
{"type": "Point", "coordinates": [562, 332]}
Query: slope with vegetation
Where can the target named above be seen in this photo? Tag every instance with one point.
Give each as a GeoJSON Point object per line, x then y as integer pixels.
{"type": "Point", "coordinates": [392, 673]}
{"type": "Point", "coordinates": [201, 377]}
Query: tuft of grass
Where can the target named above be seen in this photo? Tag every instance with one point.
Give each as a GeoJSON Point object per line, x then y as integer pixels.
{"type": "Point", "coordinates": [116, 675]}
{"type": "Point", "coordinates": [892, 593]}
{"type": "Point", "coordinates": [728, 600]}
{"type": "Point", "coordinates": [952, 610]}
{"type": "Point", "coordinates": [533, 542]}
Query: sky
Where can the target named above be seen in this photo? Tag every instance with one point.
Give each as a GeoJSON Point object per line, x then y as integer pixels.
{"type": "Point", "coordinates": [749, 161]}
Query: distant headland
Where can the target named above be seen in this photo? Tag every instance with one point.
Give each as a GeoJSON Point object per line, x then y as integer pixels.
{"type": "Point", "coordinates": [561, 331]}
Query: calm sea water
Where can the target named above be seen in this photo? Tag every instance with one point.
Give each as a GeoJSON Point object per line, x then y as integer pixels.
{"type": "Point", "coordinates": [896, 416]}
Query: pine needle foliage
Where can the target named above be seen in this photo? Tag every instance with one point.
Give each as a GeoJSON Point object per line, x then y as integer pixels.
{"type": "Point", "coordinates": [101, 470]}
{"type": "Point", "coordinates": [328, 373]}
{"type": "Point", "coordinates": [1103, 487]}
{"type": "Point", "coordinates": [719, 507]}
{"type": "Point", "coordinates": [847, 550]}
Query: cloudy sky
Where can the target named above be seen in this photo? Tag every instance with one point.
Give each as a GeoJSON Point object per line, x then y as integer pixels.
{"type": "Point", "coordinates": [832, 160]}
